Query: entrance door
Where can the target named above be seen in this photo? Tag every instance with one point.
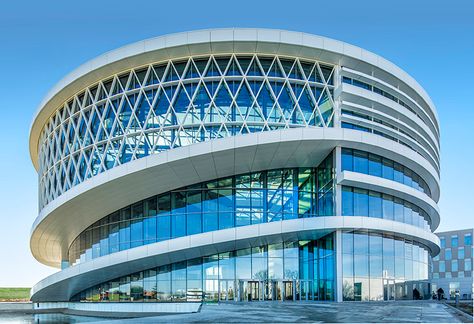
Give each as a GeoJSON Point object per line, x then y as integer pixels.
{"type": "Point", "coordinates": [288, 293]}
{"type": "Point", "coordinates": [388, 289]}
{"type": "Point", "coordinates": [254, 290]}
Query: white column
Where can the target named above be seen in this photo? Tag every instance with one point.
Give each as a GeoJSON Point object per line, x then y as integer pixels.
{"type": "Point", "coordinates": [339, 266]}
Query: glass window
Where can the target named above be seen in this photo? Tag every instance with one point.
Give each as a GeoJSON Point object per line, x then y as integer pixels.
{"type": "Point", "coordinates": [136, 228]}
{"type": "Point", "coordinates": [361, 163]}
{"type": "Point", "coordinates": [376, 267]}
{"type": "Point", "coordinates": [388, 257]}
{"type": "Point", "coordinates": [347, 159]}
{"type": "Point", "coordinates": [124, 234]}
{"type": "Point", "coordinates": [468, 239]}
{"type": "Point", "coordinates": [387, 169]}
{"type": "Point", "coordinates": [375, 165]}
{"type": "Point", "coordinates": [347, 242]}
{"type": "Point", "coordinates": [447, 254]}
{"type": "Point", "coordinates": [375, 204]}
{"type": "Point", "coordinates": [467, 264]}
{"type": "Point", "coordinates": [398, 210]}
{"type": "Point", "coordinates": [243, 264]}
{"type": "Point", "coordinates": [347, 201]}
{"type": "Point", "coordinates": [226, 208]}
{"type": "Point", "coordinates": [210, 211]}
{"type": "Point", "coordinates": [361, 265]}
{"type": "Point", "coordinates": [398, 172]}
{"type": "Point", "coordinates": [442, 266]}
{"type": "Point", "coordinates": [124, 292]}
{"type": "Point", "coordinates": [136, 287]}
{"type": "Point", "coordinates": [454, 265]}
{"type": "Point", "coordinates": [361, 243]}
{"type": "Point", "coordinates": [461, 253]}
{"type": "Point", "coordinates": [178, 214]}
{"type": "Point", "coordinates": [194, 220]}
{"type": "Point", "coordinates": [347, 265]}
{"type": "Point", "coordinates": [454, 241]}
{"type": "Point", "coordinates": [164, 219]}
{"type": "Point", "coordinates": [227, 265]}
{"type": "Point", "coordinates": [407, 213]}
{"type": "Point", "coordinates": [442, 242]}
{"type": "Point", "coordinates": [388, 207]}
{"type": "Point", "coordinates": [361, 202]}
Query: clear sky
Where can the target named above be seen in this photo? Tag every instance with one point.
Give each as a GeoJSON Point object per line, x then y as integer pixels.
{"type": "Point", "coordinates": [41, 41]}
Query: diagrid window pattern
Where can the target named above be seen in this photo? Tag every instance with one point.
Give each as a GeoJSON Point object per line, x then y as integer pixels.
{"type": "Point", "coordinates": [175, 103]}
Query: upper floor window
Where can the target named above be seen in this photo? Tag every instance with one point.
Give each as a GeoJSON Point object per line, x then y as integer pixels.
{"type": "Point", "coordinates": [442, 266]}
{"type": "Point", "coordinates": [461, 252]}
{"type": "Point", "coordinates": [468, 239]}
{"type": "Point", "coordinates": [378, 166]}
{"type": "Point", "coordinates": [468, 265]}
{"type": "Point", "coordinates": [454, 241]}
{"type": "Point", "coordinates": [454, 265]}
{"type": "Point", "coordinates": [442, 242]}
{"type": "Point", "coordinates": [447, 254]}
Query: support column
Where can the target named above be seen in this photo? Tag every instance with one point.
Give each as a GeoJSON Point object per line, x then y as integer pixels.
{"type": "Point", "coordinates": [339, 266]}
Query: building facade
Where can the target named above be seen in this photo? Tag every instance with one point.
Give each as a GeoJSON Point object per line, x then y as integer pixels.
{"type": "Point", "coordinates": [452, 267]}
{"type": "Point", "coordinates": [236, 164]}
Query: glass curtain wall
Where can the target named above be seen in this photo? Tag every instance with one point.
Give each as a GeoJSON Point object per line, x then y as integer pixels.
{"type": "Point", "coordinates": [376, 165]}
{"type": "Point", "coordinates": [240, 200]}
{"type": "Point", "coordinates": [363, 202]}
{"type": "Point", "coordinates": [296, 270]}
{"type": "Point", "coordinates": [382, 267]}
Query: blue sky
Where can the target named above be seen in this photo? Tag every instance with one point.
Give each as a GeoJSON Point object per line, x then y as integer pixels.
{"type": "Point", "coordinates": [40, 42]}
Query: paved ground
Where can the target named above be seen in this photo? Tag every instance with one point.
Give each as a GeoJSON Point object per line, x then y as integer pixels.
{"type": "Point", "coordinates": [303, 312]}
{"type": "Point", "coordinates": [277, 312]}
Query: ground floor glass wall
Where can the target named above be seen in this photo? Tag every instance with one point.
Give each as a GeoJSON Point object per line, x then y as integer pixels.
{"type": "Point", "coordinates": [381, 267]}
{"type": "Point", "coordinates": [298, 270]}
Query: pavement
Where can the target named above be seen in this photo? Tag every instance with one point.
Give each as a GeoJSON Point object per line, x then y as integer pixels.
{"type": "Point", "coordinates": [315, 312]}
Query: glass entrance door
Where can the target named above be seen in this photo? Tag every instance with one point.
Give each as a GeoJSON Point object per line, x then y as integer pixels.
{"type": "Point", "coordinates": [254, 290]}
{"type": "Point", "coordinates": [388, 289]}
{"type": "Point", "coordinates": [288, 290]}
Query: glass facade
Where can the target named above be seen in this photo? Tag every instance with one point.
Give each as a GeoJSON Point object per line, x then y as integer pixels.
{"type": "Point", "coordinates": [363, 202]}
{"type": "Point", "coordinates": [382, 267]}
{"type": "Point", "coordinates": [376, 165]}
{"type": "Point", "coordinates": [299, 270]}
{"type": "Point", "coordinates": [175, 103]}
{"type": "Point", "coordinates": [241, 200]}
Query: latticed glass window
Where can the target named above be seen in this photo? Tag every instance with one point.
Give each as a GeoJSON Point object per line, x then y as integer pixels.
{"type": "Point", "coordinates": [177, 103]}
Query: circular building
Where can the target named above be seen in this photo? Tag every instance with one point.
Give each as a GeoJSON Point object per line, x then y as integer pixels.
{"type": "Point", "coordinates": [232, 165]}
